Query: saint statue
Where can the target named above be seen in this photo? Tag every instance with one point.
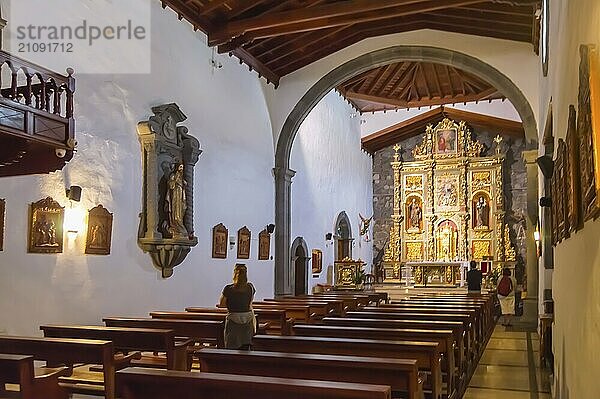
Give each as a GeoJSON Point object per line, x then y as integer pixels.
{"type": "Point", "coordinates": [482, 212]}
{"type": "Point", "coordinates": [415, 213]}
{"type": "Point", "coordinates": [176, 203]}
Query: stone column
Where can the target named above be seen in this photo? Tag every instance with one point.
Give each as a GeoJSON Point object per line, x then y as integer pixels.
{"type": "Point", "coordinates": [530, 305]}
{"type": "Point", "coordinates": [283, 230]}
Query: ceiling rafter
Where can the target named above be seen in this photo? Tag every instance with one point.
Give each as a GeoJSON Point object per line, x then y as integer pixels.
{"type": "Point", "coordinates": [278, 37]}
{"type": "Point", "coordinates": [327, 16]}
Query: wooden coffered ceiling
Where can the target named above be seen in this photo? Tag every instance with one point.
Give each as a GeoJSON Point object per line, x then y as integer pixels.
{"type": "Point", "coordinates": [277, 37]}
{"type": "Point", "coordinates": [414, 84]}
{"type": "Point", "coordinates": [417, 125]}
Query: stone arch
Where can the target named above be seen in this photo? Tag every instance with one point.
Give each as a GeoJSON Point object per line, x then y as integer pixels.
{"type": "Point", "coordinates": [299, 258]}
{"type": "Point", "coordinates": [282, 172]}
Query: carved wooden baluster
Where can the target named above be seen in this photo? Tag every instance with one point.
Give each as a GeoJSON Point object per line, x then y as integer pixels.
{"type": "Point", "coordinates": [48, 94]}
{"type": "Point", "coordinates": [13, 86]}
{"type": "Point", "coordinates": [69, 104]}
{"type": "Point", "coordinates": [70, 88]}
{"type": "Point", "coordinates": [57, 94]}
{"type": "Point", "coordinates": [28, 90]}
{"type": "Point", "coordinates": [42, 105]}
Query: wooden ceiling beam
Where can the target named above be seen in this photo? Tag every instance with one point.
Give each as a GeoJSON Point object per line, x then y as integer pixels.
{"type": "Point", "coordinates": [479, 31]}
{"type": "Point", "coordinates": [501, 9]}
{"type": "Point", "coordinates": [258, 66]}
{"type": "Point", "coordinates": [391, 77]}
{"type": "Point", "coordinates": [399, 103]}
{"type": "Point", "coordinates": [403, 79]}
{"type": "Point", "coordinates": [424, 75]}
{"type": "Point", "coordinates": [312, 42]}
{"type": "Point", "coordinates": [377, 77]}
{"type": "Point", "coordinates": [213, 5]}
{"type": "Point", "coordinates": [184, 10]}
{"type": "Point", "coordinates": [467, 21]}
{"type": "Point", "coordinates": [326, 16]}
{"type": "Point", "coordinates": [484, 16]}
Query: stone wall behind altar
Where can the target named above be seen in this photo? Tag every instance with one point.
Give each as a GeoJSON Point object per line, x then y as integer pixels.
{"type": "Point", "coordinates": [515, 188]}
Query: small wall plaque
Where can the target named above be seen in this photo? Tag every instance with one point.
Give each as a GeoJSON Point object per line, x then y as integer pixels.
{"type": "Point", "coordinates": [99, 233]}
{"type": "Point", "coordinates": [219, 245]}
{"type": "Point", "coordinates": [46, 227]}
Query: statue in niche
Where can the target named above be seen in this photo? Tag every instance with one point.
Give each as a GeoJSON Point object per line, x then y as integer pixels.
{"type": "Point", "coordinates": [482, 213]}
{"type": "Point", "coordinates": [175, 203]}
{"type": "Point", "coordinates": [415, 215]}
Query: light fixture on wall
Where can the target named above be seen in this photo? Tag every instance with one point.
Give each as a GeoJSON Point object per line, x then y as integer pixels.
{"type": "Point", "coordinates": [73, 193]}
{"type": "Point", "coordinates": [270, 228]}
{"type": "Point", "coordinates": [231, 242]}
{"type": "Point", "coordinates": [328, 236]}
{"type": "Point", "coordinates": [74, 221]}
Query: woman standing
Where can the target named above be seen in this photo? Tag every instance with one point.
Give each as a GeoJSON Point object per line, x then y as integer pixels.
{"type": "Point", "coordinates": [240, 323]}
{"type": "Point", "coordinates": [506, 296]}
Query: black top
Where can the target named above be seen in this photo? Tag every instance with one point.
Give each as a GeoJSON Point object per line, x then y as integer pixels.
{"type": "Point", "coordinates": [239, 298]}
{"type": "Point", "coordinates": [474, 277]}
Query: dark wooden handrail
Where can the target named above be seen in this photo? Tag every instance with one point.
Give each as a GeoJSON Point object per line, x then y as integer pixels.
{"type": "Point", "coordinates": [45, 95]}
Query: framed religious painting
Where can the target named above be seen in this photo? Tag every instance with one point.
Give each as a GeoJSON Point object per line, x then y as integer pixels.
{"type": "Point", "coordinates": [2, 216]}
{"type": "Point", "coordinates": [243, 243]}
{"type": "Point", "coordinates": [264, 245]}
{"type": "Point", "coordinates": [561, 197]}
{"type": "Point", "coordinates": [594, 62]}
{"type": "Point", "coordinates": [445, 141]}
{"type": "Point", "coordinates": [46, 219]}
{"type": "Point", "coordinates": [99, 232]}
{"type": "Point", "coordinates": [317, 261]}
{"type": "Point", "coordinates": [588, 140]}
{"type": "Point", "coordinates": [572, 171]}
{"type": "Point", "coordinates": [219, 241]}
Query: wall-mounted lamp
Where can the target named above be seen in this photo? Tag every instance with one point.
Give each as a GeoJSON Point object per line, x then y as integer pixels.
{"type": "Point", "coordinates": [270, 228]}
{"type": "Point", "coordinates": [231, 242]}
{"type": "Point", "coordinates": [328, 236]}
{"type": "Point", "coordinates": [546, 202]}
{"type": "Point", "coordinates": [74, 221]}
{"type": "Point", "coordinates": [74, 193]}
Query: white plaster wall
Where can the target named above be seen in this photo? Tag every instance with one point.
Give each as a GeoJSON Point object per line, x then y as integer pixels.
{"type": "Point", "coordinates": [333, 175]}
{"type": "Point", "coordinates": [233, 184]}
{"type": "Point", "coordinates": [515, 60]}
{"type": "Point", "coordinates": [576, 277]}
{"type": "Point", "coordinates": [374, 122]}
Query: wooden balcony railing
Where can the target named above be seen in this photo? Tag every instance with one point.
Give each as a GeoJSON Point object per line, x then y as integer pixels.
{"type": "Point", "coordinates": [37, 129]}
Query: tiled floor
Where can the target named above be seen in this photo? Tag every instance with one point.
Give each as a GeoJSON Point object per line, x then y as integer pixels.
{"type": "Point", "coordinates": [509, 368]}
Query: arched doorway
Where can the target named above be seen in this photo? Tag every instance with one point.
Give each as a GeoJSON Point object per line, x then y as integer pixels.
{"type": "Point", "coordinates": [300, 258]}
{"type": "Point", "coordinates": [343, 237]}
{"type": "Point", "coordinates": [283, 174]}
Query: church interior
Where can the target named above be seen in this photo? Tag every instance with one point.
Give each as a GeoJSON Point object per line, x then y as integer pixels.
{"type": "Point", "coordinates": [361, 160]}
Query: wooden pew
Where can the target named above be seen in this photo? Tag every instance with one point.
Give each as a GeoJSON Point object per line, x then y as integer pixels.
{"type": "Point", "coordinates": [319, 309]}
{"type": "Point", "coordinates": [425, 316]}
{"type": "Point", "coordinates": [333, 307]}
{"type": "Point", "coordinates": [400, 374]}
{"type": "Point", "coordinates": [69, 352]}
{"type": "Point", "coordinates": [372, 298]}
{"type": "Point", "coordinates": [457, 328]}
{"type": "Point", "coordinates": [130, 339]}
{"type": "Point", "coordinates": [33, 383]}
{"type": "Point", "coordinates": [464, 315]}
{"type": "Point", "coordinates": [426, 354]}
{"type": "Point", "coordinates": [300, 313]}
{"type": "Point", "coordinates": [475, 313]}
{"type": "Point", "coordinates": [444, 339]}
{"type": "Point", "coordinates": [261, 328]}
{"type": "Point", "coordinates": [487, 317]}
{"type": "Point", "coordinates": [276, 318]}
{"type": "Point", "coordinates": [201, 331]}
{"type": "Point", "coordinates": [136, 383]}
{"type": "Point", "coordinates": [351, 302]}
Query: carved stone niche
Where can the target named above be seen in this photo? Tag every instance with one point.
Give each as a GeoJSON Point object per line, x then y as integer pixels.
{"type": "Point", "coordinates": [169, 153]}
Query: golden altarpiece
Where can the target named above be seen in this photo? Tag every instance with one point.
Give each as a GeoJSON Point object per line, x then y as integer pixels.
{"type": "Point", "coordinates": [448, 208]}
